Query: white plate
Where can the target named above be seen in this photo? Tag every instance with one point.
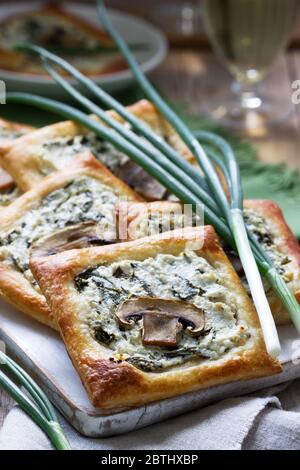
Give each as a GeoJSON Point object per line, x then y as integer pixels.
{"type": "Point", "coordinates": [131, 28]}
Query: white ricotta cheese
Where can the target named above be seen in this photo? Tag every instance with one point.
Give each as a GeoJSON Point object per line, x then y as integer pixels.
{"type": "Point", "coordinates": [262, 230]}
{"type": "Point", "coordinates": [187, 277]}
{"type": "Point", "coordinates": [55, 154]}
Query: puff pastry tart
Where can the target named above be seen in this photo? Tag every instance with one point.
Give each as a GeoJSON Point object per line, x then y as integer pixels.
{"type": "Point", "coordinates": [84, 196]}
{"type": "Point", "coordinates": [153, 318]}
{"type": "Point", "coordinates": [61, 31]}
{"type": "Point", "coordinates": [264, 219]}
{"type": "Point", "coordinates": [9, 131]}
{"type": "Point", "coordinates": [52, 148]}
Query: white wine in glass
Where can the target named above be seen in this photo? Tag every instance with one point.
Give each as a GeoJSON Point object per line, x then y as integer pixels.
{"type": "Point", "coordinates": [248, 36]}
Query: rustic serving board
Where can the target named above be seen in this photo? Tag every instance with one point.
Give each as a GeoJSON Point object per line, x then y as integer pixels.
{"type": "Point", "coordinates": [42, 353]}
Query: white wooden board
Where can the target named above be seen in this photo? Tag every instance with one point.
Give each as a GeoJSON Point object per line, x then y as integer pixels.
{"type": "Point", "coordinates": [41, 351]}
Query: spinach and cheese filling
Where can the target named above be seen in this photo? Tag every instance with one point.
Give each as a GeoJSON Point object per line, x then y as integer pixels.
{"type": "Point", "coordinates": [262, 230]}
{"type": "Point", "coordinates": [84, 199]}
{"type": "Point", "coordinates": [153, 224]}
{"type": "Point", "coordinates": [56, 153]}
{"type": "Point", "coordinates": [188, 278]}
{"type": "Point", "coordinates": [157, 222]}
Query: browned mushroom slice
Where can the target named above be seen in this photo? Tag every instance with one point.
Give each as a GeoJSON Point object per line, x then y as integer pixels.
{"type": "Point", "coordinates": [160, 329]}
{"type": "Point", "coordinates": [141, 181]}
{"type": "Point", "coordinates": [77, 236]}
{"type": "Point", "coordinates": [163, 319]}
{"type": "Point", "coordinates": [6, 181]}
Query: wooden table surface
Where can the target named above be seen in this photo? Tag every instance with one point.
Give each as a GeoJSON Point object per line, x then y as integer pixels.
{"type": "Point", "coordinates": [191, 76]}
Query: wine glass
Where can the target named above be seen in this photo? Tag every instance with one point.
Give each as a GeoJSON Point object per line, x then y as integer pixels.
{"type": "Point", "coordinates": [248, 36]}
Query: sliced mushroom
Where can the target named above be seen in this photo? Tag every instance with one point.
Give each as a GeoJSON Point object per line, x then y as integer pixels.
{"type": "Point", "coordinates": [77, 236]}
{"type": "Point", "coordinates": [6, 181]}
{"type": "Point", "coordinates": [160, 329]}
{"type": "Point", "coordinates": [236, 263]}
{"type": "Point", "coordinates": [163, 319]}
{"type": "Point", "coordinates": [141, 181]}
{"type": "Point", "coordinates": [234, 259]}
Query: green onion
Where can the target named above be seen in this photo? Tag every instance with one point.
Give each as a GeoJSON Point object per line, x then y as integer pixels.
{"type": "Point", "coordinates": [218, 162]}
{"type": "Point", "coordinates": [230, 164]}
{"type": "Point", "coordinates": [38, 407]}
{"type": "Point", "coordinates": [233, 215]}
{"type": "Point", "coordinates": [239, 231]}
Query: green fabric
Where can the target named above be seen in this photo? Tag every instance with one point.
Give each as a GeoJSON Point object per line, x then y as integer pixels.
{"type": "Point", "coordinates": [260, 180]}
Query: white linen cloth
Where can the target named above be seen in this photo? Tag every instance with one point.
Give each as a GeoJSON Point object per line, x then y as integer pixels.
{"type": "Point", "coordinates": [269, 419]}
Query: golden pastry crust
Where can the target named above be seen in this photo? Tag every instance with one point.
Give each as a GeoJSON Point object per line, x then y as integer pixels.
{"type": "Point", "coordinates": [18, 61]}
{"type": "Point", "coordinates": [113, 385]}
{"type": "Point", "coordinates": [132, 223]}
{"type": "Point", "coordinates": [13, 128]}
{"type": "Point", "coordinates": [14, 287]}
{"type": "Point", "coordinates": [9, 131]}
{"type": "Point", "coordinates": [287, 244]}
{"type": "Point", "coordinates": [22, 158]}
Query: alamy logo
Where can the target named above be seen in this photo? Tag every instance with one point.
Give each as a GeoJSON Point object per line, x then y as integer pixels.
{"type": "Point", "coordinates": [2, 92]}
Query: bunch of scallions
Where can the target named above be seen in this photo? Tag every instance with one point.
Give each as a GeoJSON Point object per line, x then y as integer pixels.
{"type": "Point", "coordinates": [33, 400]}
{"type": "Point", "coordinates": [190, 184]}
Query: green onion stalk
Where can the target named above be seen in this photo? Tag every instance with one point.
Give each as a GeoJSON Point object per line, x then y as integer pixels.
{"type": "Point", "coordinates": [38, 407]}
{"type": "Point", "coordinates": [238, 228]}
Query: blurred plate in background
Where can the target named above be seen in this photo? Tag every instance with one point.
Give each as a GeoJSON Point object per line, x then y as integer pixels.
{"type": "Point", "coordinates": [133, 29]}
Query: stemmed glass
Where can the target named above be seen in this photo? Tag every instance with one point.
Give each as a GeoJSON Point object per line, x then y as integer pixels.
{"type": "Point", "coordinates": [248, 36]}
